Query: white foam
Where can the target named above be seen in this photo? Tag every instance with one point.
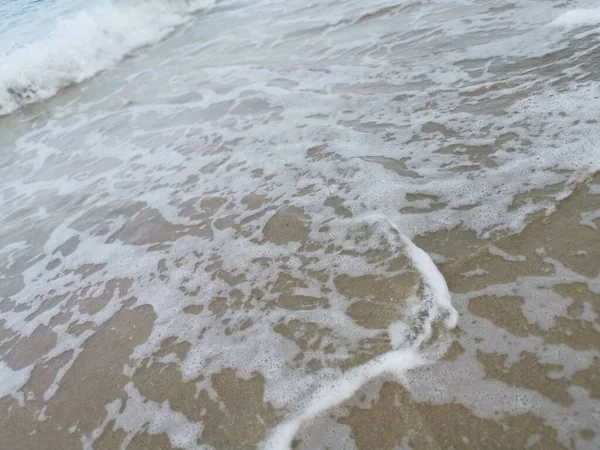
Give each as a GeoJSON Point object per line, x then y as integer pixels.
{"type": "Point", "coordinates": [158, 141]}
{"type": "Point", "coordinates": [433, 279]}
{"type": "Point", "coordinates": [475, 272]}
{"type": "Point", "coordinates": [577, 18]}
{"type": "Point", "coordinates": [333, 393]}
{"type": "Point", "coordinates": [588, 218]}
{"type": "Point", "coordinates": [398, 332]}
{"type": "Point", "coordinates": [507, 257]}
{"type": "Point", "coordinates": [12, 380]}
{"type": "Point", "coordinates": [83, 45]}
{"type": "Point", "coordinates": [138, 412]}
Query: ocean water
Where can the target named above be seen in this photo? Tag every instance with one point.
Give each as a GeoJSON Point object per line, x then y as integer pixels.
{"type": "Point", "coordinates": [227, 223]}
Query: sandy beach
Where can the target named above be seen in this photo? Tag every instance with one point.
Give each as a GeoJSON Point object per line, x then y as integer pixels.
{"type": "Point", "coordinates": [498, 350]}
{"type": "Point", "coordinates": [334, 225]}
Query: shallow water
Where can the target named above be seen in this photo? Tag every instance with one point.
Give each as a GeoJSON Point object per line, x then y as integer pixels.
{"type": "Point", "coordinates": [215, 241]}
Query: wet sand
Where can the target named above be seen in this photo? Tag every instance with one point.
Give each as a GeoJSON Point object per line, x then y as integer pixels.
{"type": "Point", "coordinates": [200, 239]}
{"type": "Point", "coordinates": [547, 271]}
{"type": "Point", "coordinates": [551, 266]}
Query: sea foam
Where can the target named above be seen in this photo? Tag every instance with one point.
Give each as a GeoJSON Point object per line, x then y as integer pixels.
{"type": "Point", "coordinates": [578, 18]}
{"type": "Point", "coordinates": [85, 44]}
{"type": "Point", "coordinates": [393, 363]}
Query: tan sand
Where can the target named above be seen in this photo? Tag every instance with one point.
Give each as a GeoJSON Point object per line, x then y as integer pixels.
{"type": "Point", "coordinates": [385, 414]}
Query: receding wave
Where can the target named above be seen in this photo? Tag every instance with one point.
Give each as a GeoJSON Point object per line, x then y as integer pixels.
{"type": "Point", "coordinates": [85, 44]}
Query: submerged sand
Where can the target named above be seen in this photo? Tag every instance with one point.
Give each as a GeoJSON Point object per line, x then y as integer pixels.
{"type": "Point", "coordinates": [202, 243]}
{"type": "Point", "coordinates": [497, 351]}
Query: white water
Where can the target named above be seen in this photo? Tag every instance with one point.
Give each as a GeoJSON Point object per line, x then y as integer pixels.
{"type": "Point", "coordinates": [394, 363]}
{"type": "Point", "coordinates": [85, 43]}
{"type": "Point", "coordinates": [436, 303]}
{"type": "Point", "coordinates": [577, 18]}
{"type": "Point", "coordinates": [232, 108]}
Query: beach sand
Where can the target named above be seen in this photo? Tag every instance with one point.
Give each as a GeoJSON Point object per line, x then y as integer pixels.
{"type": "Point", "coordinates": [497, 351]}
{"type": "Point", "coordinates": [262, 237]}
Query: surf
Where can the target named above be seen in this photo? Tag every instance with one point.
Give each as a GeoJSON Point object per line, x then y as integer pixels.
{"type": "Point", "coordinates": [86, 43]}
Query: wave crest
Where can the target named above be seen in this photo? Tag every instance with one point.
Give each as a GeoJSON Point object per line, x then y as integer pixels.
{"type": "Point", "coordinates": [578, 18]}
{"type": "Point", "coordinates": [85, 44]}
